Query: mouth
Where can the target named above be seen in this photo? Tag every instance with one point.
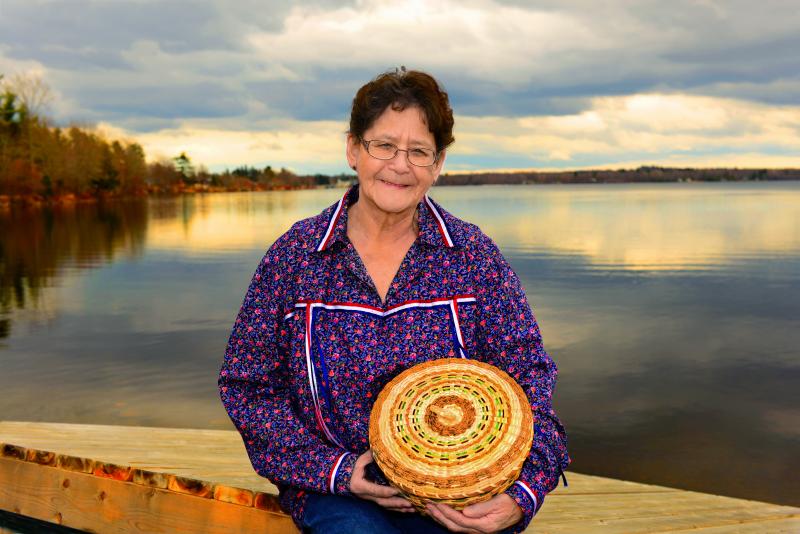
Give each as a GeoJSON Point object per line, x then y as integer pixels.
{"type": "Point", "coordinates": [393, 185]}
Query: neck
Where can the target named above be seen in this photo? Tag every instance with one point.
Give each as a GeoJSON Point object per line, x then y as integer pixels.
{"type": "Point", "coordinates": [367, 221]}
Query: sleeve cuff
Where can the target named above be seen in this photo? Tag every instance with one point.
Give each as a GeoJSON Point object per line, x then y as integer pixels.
{"type": "Point", "coordinates": [528, 499]}
{"type": "Point", "coordinates": [341, 472]}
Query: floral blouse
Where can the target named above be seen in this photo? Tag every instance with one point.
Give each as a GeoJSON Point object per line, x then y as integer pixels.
{"type": "Point", "coordinates": [313, 344]}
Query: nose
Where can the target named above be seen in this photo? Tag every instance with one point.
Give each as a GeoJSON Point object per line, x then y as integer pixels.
{"type": "Point", "coordinates": [400, 161]}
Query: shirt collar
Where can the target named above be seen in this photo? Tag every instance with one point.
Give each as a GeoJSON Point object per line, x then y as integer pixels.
{"type": "Point", "coordinates": [433, 228]}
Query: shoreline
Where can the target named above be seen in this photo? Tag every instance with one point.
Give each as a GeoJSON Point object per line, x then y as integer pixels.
{"type": "Point", "coordinates": [70, 199]}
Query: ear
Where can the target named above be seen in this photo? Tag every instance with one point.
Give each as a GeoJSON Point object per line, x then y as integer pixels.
{"type": "Point", "coordinates": [437, 169]}
{"type": "Point", "coordinates": [352, 150]}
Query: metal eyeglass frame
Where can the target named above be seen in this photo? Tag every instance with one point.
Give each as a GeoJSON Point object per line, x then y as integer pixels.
{"type": "Point", "coordinates": [396, 150]}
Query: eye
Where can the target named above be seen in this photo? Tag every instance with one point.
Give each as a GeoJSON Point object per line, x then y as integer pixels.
{"type": "Point", "coordinates": [422, 152]}
{"type": "Point", "coordinates": [383, 145]}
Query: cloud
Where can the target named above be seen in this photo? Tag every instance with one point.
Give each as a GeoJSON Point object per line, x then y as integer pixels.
{"type": "Point", "coordinates": [518, 59]}
{"type": "Point", "coordinates": [473, 38]}
{"type": "Point", "coordinates": [551, 71]}
{"type": "Point", "coordinates": [10, 64]}
{"type": "Point", "coordinates": [303, 146]}
{"type": "Point", "coordinates": [614, 132]}
{"type": "Point", "coordinates": [669, 129]}
{"type": "Point", "coordinates": [110, 26]}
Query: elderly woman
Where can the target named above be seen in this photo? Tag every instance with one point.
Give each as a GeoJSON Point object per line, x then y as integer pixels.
{"type": "Point", "coordinates": [378, 282]}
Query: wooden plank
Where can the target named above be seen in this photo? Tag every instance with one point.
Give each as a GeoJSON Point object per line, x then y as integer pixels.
{"type": "Point", "coordinates": [774, 526]}
{"type": "Point", "coordinates": [580, 484]}
{"type": "Point", "coordinates": [211, 465]}
{"type": "Point", "coordinates": [174, 483]}
{"type": "Point", "coordinates": [653, 512]}
{"type": "Point", "coordinates": [214, 456]}
{"type": "Point", "coordinates": [98, 504]}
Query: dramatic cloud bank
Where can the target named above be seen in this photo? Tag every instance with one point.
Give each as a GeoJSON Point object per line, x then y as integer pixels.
{"type": "Point", "coordinates": [548, 84]}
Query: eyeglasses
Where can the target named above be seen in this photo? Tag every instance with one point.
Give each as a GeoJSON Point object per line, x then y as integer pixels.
{"type": "Point", "coordinates": [419, 157]}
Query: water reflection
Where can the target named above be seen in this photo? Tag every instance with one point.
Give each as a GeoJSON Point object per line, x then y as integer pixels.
{"type": "Point", "coordinates": [36, 246]}
{"type": "Point", "coordinates": [639, 227]}
{"type": "Point", "coordinates": [226, 224]}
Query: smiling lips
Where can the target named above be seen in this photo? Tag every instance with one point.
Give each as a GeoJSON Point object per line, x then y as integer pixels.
{"type": "Point", "coordinates": [392, 184]}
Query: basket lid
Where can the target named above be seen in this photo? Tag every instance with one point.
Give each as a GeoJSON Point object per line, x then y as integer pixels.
{"type": "Point", "coordinates": [451, 430]}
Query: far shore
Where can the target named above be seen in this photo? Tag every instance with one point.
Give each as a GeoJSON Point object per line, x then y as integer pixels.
{"type": "Point", "coordinates": [640, 175]}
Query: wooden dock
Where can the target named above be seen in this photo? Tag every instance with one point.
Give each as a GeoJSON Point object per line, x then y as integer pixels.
{"type": "Point", "coordinates": [134, 479]}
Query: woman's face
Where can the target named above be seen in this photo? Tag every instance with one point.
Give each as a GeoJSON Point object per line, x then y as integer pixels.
{"type": "Point", "coordinates": [394, 185]}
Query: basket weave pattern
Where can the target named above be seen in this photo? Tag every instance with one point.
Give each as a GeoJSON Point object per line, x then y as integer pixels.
{"type": "Point", "coordinates": [452, 430]}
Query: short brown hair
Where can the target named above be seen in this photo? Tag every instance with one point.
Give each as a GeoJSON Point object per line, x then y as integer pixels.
{"type": "Point", "coordinates": [400, 89]}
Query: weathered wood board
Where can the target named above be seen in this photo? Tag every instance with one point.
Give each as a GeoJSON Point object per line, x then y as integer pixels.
{"type": "Point", "coordinates": [134, 479]}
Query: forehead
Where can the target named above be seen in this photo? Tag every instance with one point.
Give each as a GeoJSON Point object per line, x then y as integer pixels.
{"type": "Point", "coordinates": [408, 125]}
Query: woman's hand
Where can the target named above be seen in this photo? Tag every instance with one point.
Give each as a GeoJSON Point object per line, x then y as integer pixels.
{"type": "Point", "coordinates": [499, 512]}
{"type": "Point", "coordinates": [386, 496]}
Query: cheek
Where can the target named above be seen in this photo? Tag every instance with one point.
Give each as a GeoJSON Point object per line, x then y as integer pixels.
{"type": "Point", "coordinates": [369, 164]}
{"type": "Point", "coordinates": [426, 180]}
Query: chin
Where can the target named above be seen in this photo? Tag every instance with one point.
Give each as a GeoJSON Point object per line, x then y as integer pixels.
{"type": "Point", "coordinates": [396, 202]}
{"type": "Point", "coordinates": [395, 205]}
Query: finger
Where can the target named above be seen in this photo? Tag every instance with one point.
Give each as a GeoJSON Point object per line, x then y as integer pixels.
{"type": "Point", "coordinates": [397, 502]}
{"type": "Point", "coordinates": [437, 516]}
{"type": "Point", "coordinates": [479, 509]}
{"type": "Point", "coordinates": [378, 491]}
{"type": "Point", "coordinates": [454, 516]}
{"type": "Point", "coordinates": [364, 488]}
{"type": "Point", "coordinates": [437, 513]}
{"type": "Point", "coordinates": [404, 508]}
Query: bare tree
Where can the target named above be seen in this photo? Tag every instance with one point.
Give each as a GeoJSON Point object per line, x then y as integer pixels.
{"type": "Point", "coordinates": [32, 91]}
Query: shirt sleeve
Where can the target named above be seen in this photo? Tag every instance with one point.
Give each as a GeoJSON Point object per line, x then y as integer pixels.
{"type": "Point", "coordinates": [509, 338]}
{"type": "Point", "coordinates": [253, 386]}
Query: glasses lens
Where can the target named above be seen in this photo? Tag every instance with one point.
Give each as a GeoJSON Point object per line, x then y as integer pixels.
{"type": "Point", "coordinates": [422, 157]}
{"type": "Point", "coordinates": [381, 149]}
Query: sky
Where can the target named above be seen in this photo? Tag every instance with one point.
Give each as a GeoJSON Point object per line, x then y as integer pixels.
{"type": "Point", "coordinates": [561, 84]}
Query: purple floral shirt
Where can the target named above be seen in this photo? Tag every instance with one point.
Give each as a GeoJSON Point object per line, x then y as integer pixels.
{"type": "Point", "coordinates": [313, 345]}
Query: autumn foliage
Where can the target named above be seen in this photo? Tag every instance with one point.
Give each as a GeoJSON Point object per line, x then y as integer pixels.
{"type": "Point", "coordinates": [43, 162]}
{"type": "Point", "coordinates": [39, 160]}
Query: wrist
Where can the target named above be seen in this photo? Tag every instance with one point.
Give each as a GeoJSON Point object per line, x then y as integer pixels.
{"type": "Point", "coordinates": [344, 475]}
{"type": "Point", "coordinates": [527, 500]}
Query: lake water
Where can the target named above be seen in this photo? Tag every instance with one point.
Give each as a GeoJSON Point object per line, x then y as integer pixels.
{"type": "Point", "coordinates": [672, 311]}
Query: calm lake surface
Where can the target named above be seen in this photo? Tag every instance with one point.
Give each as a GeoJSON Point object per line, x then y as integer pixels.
{"type": "Point", "coordinates": [672, 311]}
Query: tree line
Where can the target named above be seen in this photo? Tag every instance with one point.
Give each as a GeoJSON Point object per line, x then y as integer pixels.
{"type": "Point", "coordinates": [41, 160]}
{"type": "Point", "coordinates": [38, 159]}
{"type": "Point", "coordinates": [642, 174]}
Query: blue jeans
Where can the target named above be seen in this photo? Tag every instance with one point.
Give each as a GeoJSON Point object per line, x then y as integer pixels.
{"type": "Point", "coordinates": [336, 514]}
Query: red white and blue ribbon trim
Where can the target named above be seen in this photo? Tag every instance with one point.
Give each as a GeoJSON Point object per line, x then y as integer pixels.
{"type": "Point", "coordinates": [312, 382]}
{"type": "Point", "coordinates": [340, 206]}
{"type": "Point", "coordinates": [530, 494]}
{"type": "Point", "coordinates": [334, 471]}
{"type": "Point", "coordinates": [383, 312]}
{"type": "Point", "coordinates": [337, 212]}
{"type": "Point", "coordinates": [439, 222]}
{"type": "Point", "coordinates": [311, 308]}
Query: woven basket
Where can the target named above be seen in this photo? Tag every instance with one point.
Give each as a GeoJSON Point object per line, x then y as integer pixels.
{"type": "Point", "coordinates": [453, 431]}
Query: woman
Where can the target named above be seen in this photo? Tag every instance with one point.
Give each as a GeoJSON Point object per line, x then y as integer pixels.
{"type": "Point", "coordinates": [344, 301]}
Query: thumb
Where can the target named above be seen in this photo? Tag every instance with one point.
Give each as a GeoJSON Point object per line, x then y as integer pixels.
{"type": "Point", "coordinates": [480, 509]}
{"type": "Point", "coordinates": [364, 459]}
